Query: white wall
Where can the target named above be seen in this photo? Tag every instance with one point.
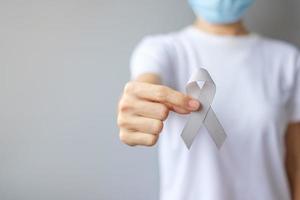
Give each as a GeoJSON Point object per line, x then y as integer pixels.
{"type": "Point", "coordinates": [62, 68]}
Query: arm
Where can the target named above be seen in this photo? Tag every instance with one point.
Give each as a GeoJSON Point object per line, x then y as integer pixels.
{"type": "Point", "coordinates": [293, 158]}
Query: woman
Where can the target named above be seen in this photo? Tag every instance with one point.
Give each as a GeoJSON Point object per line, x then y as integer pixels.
{"type": "Point", "coordinates": [257, 101]}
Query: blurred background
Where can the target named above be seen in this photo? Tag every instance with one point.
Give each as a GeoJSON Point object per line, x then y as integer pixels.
{"type": "Point", "coordinates": [63, 65]}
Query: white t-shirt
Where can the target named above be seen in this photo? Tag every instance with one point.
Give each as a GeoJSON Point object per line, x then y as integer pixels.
{"type": "Point", "coordinates": [258, 94]}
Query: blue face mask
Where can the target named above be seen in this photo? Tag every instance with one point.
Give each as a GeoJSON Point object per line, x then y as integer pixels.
{"type": "Point", "coordinates": [220, 11]}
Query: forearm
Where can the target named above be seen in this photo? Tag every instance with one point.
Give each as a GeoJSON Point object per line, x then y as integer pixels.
{"type": "Point", "coordinates": [296, 186]}
{"type": "Point", "coordinates": [293, 159]}
{"type": "Point", "coordinates": [294, 178]}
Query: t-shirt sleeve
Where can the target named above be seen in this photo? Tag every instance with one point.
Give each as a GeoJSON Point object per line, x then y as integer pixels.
{"type": "Point", "coordinates": [294, 101]}
{"type": "Point", "coordinates": [152, 55]}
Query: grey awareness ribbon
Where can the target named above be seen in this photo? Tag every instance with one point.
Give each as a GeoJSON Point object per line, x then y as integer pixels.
{"type": "Point", "coordinates": [206, 116]}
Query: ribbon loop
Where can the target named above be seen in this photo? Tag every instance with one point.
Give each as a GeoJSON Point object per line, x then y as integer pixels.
{"type": "Point", "coordinates": [206, 116]}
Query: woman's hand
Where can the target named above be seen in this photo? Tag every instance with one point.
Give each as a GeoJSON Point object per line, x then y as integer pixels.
{"type": "Point", "coordinates": [144, 106]}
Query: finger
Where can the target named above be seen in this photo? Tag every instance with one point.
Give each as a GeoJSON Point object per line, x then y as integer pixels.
{"type": "Point", "coordinates": [179, 109]}
{"type": "Point", "coordinates": [137, 138]}
{"type": "Point", "coordinates": [141, 124]}
{"type": "Point", "coordinates": [162, 94]}
{"type": "Point", "coordinates": [150, 109]}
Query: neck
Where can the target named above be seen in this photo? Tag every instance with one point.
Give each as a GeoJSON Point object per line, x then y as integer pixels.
{"type": "Point", "coordinates": [234, 29]}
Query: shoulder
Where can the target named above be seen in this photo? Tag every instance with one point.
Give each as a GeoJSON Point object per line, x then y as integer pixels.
{"type": "Point", "coordinates": [279, 48]}
{"type": "Point", "coordinates": [285, 57]}
{"type": "Point", "coordinates": [162, 42]}
{"type": "Point", "coordinates": [155, 53]}
{"type": "Point", "coordinates": [282, 54]}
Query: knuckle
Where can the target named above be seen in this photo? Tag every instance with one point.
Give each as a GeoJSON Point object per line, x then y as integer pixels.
{"type": "Point", "coordinates": [164, 112]}
{"type": "Point", "coordinates": [157, 127]}
{"type": "Point", "coordinates": [121, 121]}
{"type": "Point", "coordinates": [182, 99]}
{"type": "Point", "coordinates": [124, 138]}
{"type": "Point", "coordinates": [124, 105]}
{"type": "Point", "coordinates": [161, 93]}
{"type": "Point", "coordinates": [129, 87]}
{"type": "Point", "coordinates": [151, 141]}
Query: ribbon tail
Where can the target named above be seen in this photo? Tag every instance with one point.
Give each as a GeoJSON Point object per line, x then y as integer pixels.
{"type": "Point", "coordinates": [215, 128]}
{"type": "Point", "coordinates": [192, 128]}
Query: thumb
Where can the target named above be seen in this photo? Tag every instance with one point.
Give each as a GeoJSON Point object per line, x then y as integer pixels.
{"type": "Point", "coordinates": [193, 105]}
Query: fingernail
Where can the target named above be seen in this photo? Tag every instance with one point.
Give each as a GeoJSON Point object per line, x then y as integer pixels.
{"type": "Point", "coordinates": [194, 104]}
